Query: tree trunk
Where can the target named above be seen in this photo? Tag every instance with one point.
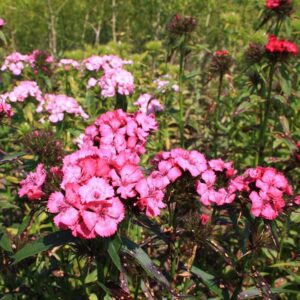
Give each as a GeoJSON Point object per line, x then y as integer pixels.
{"type": "Point", "coordinates": [114, 19]}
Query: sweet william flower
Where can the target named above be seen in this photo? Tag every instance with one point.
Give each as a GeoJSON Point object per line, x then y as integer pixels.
{"type": "Point", "coordinates": [88, 204]}
{"type": "Point", "coordinates": [148, 105]}
{"type": "Point", "coordinates": [204, 219]}
{"type": "Point", "coordinates": [266, 188]}
{"type": "Point", "coordinates": [31, 186]}
{"type": "Point", "coordinates": [2, 23]}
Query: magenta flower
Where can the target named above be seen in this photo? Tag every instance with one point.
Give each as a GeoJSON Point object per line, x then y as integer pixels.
{"type": "Point", "coordinates": [266, 188]}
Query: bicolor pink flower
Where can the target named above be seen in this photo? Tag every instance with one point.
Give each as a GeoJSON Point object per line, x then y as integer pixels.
{"type": "Point", "coordinates": [89, 203]}
{"type": "Point", "coordinates": [31, 186]}
{"type": "Point", "coordinates": [151, 197]}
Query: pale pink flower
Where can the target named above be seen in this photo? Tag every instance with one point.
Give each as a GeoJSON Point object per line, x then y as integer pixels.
{"type": "Point", "coordinates": [58, 105]}
{"type": "Point", "coordinates": [148, 105]}
{"type": "Point", "coordinates": [67, 64]}
{"type": "Point", "coordinates": [15, 63]}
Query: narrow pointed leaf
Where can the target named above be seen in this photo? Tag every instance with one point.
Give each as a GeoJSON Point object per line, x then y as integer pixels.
{"type": "Point", "coordinates": [45, 243]}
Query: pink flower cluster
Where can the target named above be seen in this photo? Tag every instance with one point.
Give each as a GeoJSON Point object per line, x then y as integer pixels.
{"type": "Point", "coordinates": [164, 83]}
{"type": "Point", "coordinates": [266, 188]}
{"type": "Point", "coordinates": [105, 62]}
{"type": "Point", "coordinates": [5, 109]}
{"type": "Point", "coordinates": [275, 4]}
{"type": "Point", "coordinates": [58, 105]}
{"type": "Point", "coordinates": [31, 186]}
{"type": "Point", "coordinates": [117, 131]}
{"type": "Point", "coordinates": [207, 188]}
{"type": "Point", "coordinates": [281, 47]}
{"type": "Point", "coordinates": [67, 64]}
{"type": "Point", "coordinates": [148, 104]}
{"type": "Point", "coordinates": [93, 184]}
{"type": "Point", "coordinates": [115, 79]}
{"type": "Point", "coordinates": [169, 166]}
{"type": "Point", "coordinates": [15, 63]}
{"type": "Point", "coordinates": [24, 90]}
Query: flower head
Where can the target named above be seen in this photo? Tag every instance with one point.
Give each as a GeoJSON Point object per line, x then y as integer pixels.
{"type": "Point", "coordinates": [31, 186]}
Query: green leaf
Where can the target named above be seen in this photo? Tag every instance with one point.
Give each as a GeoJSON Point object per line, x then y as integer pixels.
{"type": "Point", "coordinates": [4, 241]}
{"type": "Point", "coordinates": [210, 281]}
{"type": "Point", "coordinates": [10, 157]}
{"type": "Point", "coordinates": [132, 249]}
{"type": "Point", "coordinates": [24, 224]}
{"type": "Point", "coordinates": [114, 246]}
{"type": "Point", "coordinates": [254, 292]}
{"type": "Point", "coordinates": [45, 243]}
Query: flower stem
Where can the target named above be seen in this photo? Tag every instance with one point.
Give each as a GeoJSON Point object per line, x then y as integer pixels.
{"type": "Point", "coordinates": [180, 94]}
{"type": "Point", "coordinates": [217, 113]}
{"type": "Point", "coordinates": [263, 126]}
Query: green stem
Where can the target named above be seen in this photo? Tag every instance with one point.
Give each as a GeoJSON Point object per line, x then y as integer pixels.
{"type": "Point", "coordinates": [263, 126]}
{"type": "Point", "coordinates": [180, 94]}
{"type": "Point", "coordinates": [282, 239]}
{"type": "Point", "coordinates": [217, 113]}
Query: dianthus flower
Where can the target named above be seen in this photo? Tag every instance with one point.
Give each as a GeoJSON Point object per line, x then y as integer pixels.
{"type": "Point", "coordinates": [276, 4]}
{"type": "Point", "coordinates": [2, 23]}
{"type": "Point", "coordinates": [15, 63]}
{"type": "Point", "coordinates": [67, 64]}
{"type": "Point", "coordinates": [96, 63]}
{"type": "Point", "coordinates": [163, 83]}
{"type": "Point", "coordinates": [280, 49]}
{"type": "Point", "coordinates": [58, 105]}
{"type": "Point", "coordinates": [180, 25]}
{"type": "Point", "coordinates": [116, 81]}
{"type": "Point", "coordinates": [41, 61]}
{"type": "Point", "coordinates": [94, 182]}
{"type": "Point", "coordinates": [221, 62]}
{"type": "Point", "coordinates": [117, 131]}
{"type": "Point", "coordinates": [24, 90]}
{"type": "Point", "coordinates": [5, 109]}
{"type": "Point", "coordinates": [31, 186]}
{"type": "Point", "coordinates": [204, 219]}
{"type": "Point", "coordinates": [266, 188]}
{"type": "Point", "coordinates": [207, 185]}
{"type": "Point", "coordinates": [169, 166]}
{"type": "Point", "coordinates": [148, 105]}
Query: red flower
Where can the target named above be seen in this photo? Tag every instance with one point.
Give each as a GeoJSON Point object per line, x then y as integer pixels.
{"type": "Point", "coordinates": [280, 48]}
{"type": "Point", "coordinates": [221, 53]}
{"type": "Point", "coordinates": [276, 4]}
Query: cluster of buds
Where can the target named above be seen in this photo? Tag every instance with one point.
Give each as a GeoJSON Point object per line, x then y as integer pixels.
{"type": "Point", "coordinates": [46, 146]}
{"type": "Point", "coordinates": [255, 53]}
{"type": "Point", "coordinates": [41, 61]}
{"type": "Point", "coordinates": [221, 62]}
{"type": "Point", "coordinates": [180, 25]}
